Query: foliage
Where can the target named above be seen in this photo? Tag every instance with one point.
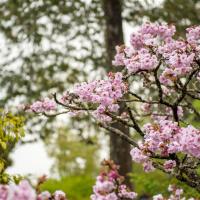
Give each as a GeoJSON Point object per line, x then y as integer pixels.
{"type": "Point", "coordinates": [193, 119]}
{"type": "Point", "coordinates": [11, 130]}
{"type": "Point", "coordinates": [13, 186]}
{"type": "Point", "coordinates": [182, 13]}
{"type": "Point", "coordinates": [148, 184]}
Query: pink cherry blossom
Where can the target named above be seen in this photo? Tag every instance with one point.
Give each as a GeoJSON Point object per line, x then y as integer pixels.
{"type": "Point", "coordinates": [168, 70]}
{"type": "Point", "coordinates": [138, 156]}
{"type": "Point", "coordinates": [44, 196]}
{"type": "Point", "coordinates": [193, 35]}
{"type": "Point", "coordinates": [59, 195]}
{"type": "Point", "coordinates": [4, 189]}
{"type": "Point", "coordinates": [169, 165]}
{"type": "Point", "coordinates": [151, 35]}
{"type": "Point", "coordinates": [43, 105]}
{"type": "Point", "coordinates": [109, 185]}
{"type": "Point", "coordinates": [23, 191]}
{"type": "Point", "coordinates": [143, 60]}
{"type": "Point", "coordinates": [124, 193]}
{"type": "Point", "coordinates": [104, 93]}
{"type": "Point", "coordinates": [158, 197]}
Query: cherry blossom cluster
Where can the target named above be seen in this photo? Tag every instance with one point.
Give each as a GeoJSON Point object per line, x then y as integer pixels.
{"type": "Point", "coordinates": [193, 36]}
{"type": "Point", "coordinates": [176, 194]}
{"type": "Point", "coordinates": [109, 184]}
{"type": "Point", "coordinates": [24, 191]}
{"type": "Point", "coordinates": [142, 157]}
{"type": "Point", "coordinates": [153, 49]}
{"type": "Point", "coordinates": [165, 137]}
{"type": "Point", "coordinates": [43, 106]}
{"type": "Point", "coordinates": [136, 60]}
{"type": "Point", "coordinates": [151, 35]}
{"type": "Point", "coordinates": [154, 42]}
{"type": "Point", "coordinates": [104, 93]}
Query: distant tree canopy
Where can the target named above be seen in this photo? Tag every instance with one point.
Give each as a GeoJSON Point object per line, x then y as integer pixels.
{"type": "Point", "coordinates": [182, 13]}
{"type": "Point", "coordinates": [48, 44]}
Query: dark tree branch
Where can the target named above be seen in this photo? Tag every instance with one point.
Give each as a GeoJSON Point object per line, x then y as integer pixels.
{"type": "Point", "coordinates": [136, 126]}
{"type": "Point", "coordinates": [184, 89]}
{"type": "Point", "coordinates": [55, 114]}
{"type": "Point", "coordinates": [119, 133]}
{"type": "Point", "coordinates": [120, 120]}
{"type": "Point", "coordinates": [70, 106]}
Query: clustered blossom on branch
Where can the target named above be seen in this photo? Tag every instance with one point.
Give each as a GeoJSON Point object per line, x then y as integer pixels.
{"type": "Point", "coordinates": [105, 93]}
{"type": "Point", "coordinates": [176, 194]}
{"type": "Point", "coordinates": [24, 191]}
{"type": "Point", "coordinates": [159, 82]}
{"type": "Point", "coordinates": [43, 105]}
{"type": "Point", "coordinates": [143, 60]}
{"type": "Point", "coordinates": [109, 184]}
{"type": "Point", "coordinates": [165, 137]}
{"type": "Point", "coordinates": [178, 55]}
{"type": "Point", "coordinates": [193, 36]}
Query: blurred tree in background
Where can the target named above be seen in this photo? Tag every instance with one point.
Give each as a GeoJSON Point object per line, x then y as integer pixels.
{"type": "Point", "coordinates": [48, 44]}
{"type": "Point", "coordinates": [182, 13]}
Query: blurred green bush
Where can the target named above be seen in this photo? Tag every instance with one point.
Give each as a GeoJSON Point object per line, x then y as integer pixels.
{"type": "Point", "coordinates": [152, 183]}
{"type": "Point", "coordinates": [76, 187]}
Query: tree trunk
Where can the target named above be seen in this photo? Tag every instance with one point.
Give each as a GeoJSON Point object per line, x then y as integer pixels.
{"type": "Point", "coordinates": [119, 149]}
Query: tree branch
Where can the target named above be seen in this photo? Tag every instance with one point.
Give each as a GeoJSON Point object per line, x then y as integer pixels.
{"type": "Point", "coordinates": [119, 133]}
